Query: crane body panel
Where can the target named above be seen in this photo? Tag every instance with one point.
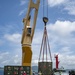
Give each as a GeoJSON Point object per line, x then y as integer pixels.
{"type": "Point", "coordinates": [26, 56]}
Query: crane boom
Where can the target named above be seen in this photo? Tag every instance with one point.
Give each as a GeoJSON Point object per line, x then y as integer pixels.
{"type": "Point", "coordinates": [28, 33]}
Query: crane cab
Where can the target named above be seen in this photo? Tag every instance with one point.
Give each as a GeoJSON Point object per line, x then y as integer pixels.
{"type": "Point", "coordinates": [29, 31]}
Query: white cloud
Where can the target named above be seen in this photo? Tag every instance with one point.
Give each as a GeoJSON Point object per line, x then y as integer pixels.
{"type": "Point", "coordinates": [5, 61]}
{"type": "Point", "coordinates": [62, 33]}
{"type": "Point", "coordinates": [8, 58]}
{"type": "Point", "coordinates": [55, 2]}
{"type": "Point", "coordinates": [21, 12]}
{"type": "Point", "coordinates": [12, 61]}
{"type": "Point", "coordinates": [6, 53]}
{"type": "Point", "coordinates": [66, 50]}
{"type": "Point", "coordinates": [14, 56]}
{"type": "Point", "coordinates": [3, 56]}
{"type": "Point", "coordinates": [70, 6]}
{"type": "Point", "coordinates": [16, 38]}
{"type": "Point", "coordinates": [36, 37]}
{"type": "Point", "coordinates": [22, 2]}
{"type": "Point", "coordinates": [62, 27]}
{"type": "Point", "coordinates": [17, 59]}
{"type": "Point", "coordinates": [67, 61]}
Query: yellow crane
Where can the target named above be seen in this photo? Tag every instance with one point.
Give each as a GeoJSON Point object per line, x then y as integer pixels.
{"type": "Point", "coordinates": [28, 33]}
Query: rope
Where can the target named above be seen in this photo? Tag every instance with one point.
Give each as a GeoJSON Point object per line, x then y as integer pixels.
{"type": "Point", "coordinates": [47, 8]}
{"type": "Point", "coordinates": [44, 4]}
{"type": "Point", "coordinates": [41, 48]}
{"type": "Point", "coordinates": [43, 8]}
{"type": "Point", "coordinates": [46, 46]}
{"type": "Point", "coordinates": [49, 49]}
{"type": "Point", "coordinates": [45, 42]}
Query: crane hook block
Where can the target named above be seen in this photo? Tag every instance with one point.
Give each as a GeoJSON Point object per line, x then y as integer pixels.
{"type": "Point", "coordinates": [45, 20]}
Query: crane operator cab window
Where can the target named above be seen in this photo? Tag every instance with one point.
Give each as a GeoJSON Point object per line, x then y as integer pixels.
{"type": "Point", "coordinates": [28, 30]}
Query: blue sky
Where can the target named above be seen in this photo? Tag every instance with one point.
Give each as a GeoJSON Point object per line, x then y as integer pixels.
{"type": "Point", "coordinates": [61, 31]}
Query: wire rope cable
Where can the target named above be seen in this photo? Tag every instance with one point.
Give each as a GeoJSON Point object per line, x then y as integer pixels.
{"type": "Point", "coordinates": [45, 8]}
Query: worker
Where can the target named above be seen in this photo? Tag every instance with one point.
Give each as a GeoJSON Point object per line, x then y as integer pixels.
{"type": "Point", "coordinates": [39, 73]}
{"type": "Point", "coordinates": [33, 72]}
{"type": "Point", "coordinates": [60, 73]}
{"type": "Point", "coordinates": [24, 73]}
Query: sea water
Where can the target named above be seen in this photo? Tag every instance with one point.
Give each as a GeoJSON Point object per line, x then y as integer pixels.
{"type": "Point", "coordinates": [1, 72]}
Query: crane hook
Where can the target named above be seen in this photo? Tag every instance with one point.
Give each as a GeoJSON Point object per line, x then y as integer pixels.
{"type": "Point", "coordinates": [45, 20]}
